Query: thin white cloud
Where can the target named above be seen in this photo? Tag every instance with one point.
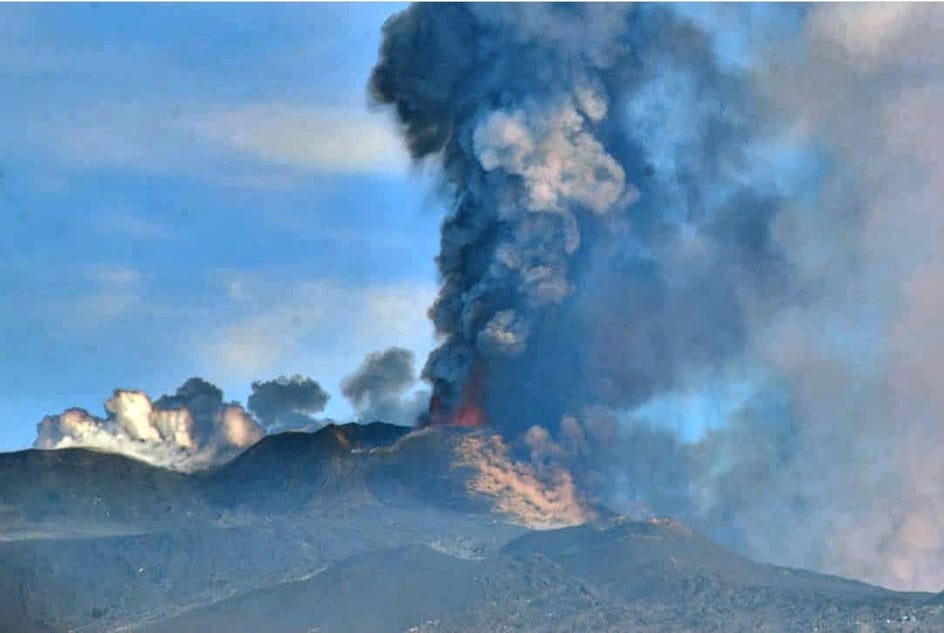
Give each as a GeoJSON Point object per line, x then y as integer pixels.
{"type": "Point", "coordinates": [116, 291]}
{"type": "Point", "coordinates": [138, 136]}
{"type": "Point", "coordinates": [112, 276]}
{"type": "Point", "coordinates": [91, 105]}
{"type": "Point", "coordinates": [255, 145]}
{"type": "Point", "coordinates": [306, 137]}
{"type": "Point", "coordinates": [273, 324]}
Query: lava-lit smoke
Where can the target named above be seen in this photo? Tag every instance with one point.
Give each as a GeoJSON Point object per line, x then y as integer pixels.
{"type": "Point", "coordinates": [192, 429]}
{"type": "Point", "coordinates": [467, 410]}
{"type": "Point", "coordinates": [541, 498]}
{"type": "Point", "coordinates": [647, 202]}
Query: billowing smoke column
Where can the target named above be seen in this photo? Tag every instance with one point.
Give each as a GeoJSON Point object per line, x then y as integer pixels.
{"type": "Point", "coordinates": [601, 239]}
{"type": "Point", "coordinates": [641, 213]}
{"type": "Point", "coordinates": [192, 429]}
{"type": "Point", "coordinates": [520, 152]}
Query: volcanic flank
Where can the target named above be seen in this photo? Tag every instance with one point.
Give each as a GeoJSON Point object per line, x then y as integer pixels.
{"type": "Point", "coordinates": [376, 528]}
{"type": "Point", "coordinates": [621, 241]}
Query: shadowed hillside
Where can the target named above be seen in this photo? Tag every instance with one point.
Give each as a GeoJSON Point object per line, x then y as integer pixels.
{"type": "Point", "coordinates": [372, 528]}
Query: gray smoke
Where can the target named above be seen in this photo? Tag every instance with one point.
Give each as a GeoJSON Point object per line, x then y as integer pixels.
{"type": "Point", "coordinates": [864, 86]}
{"type": "Point", "coordinates": [287, 403]}
{"type": "Point", "coordinates": [609, 235]}
{"type": "Point", "coordinates": [634, 218]}
{"type": "Point", "coordinates": [597, 201]}
{"type": "Point", "coordinates": [378, 389]}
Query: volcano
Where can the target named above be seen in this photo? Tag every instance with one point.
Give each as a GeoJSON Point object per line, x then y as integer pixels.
{"type": "Point", "coordinates": [375, 528]}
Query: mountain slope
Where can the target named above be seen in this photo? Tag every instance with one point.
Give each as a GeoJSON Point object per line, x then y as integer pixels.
{"type": "Point", "coordinates": [628, 576]}
{"type": "Point", "coordinates": [80, 486]}
{"type": "Point", "coordinates": [355, 529]}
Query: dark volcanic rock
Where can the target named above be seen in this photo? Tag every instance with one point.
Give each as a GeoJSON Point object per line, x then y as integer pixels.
{"type": "Point", "coordinates": [677, 576]}
{"type": "Point", "coordinates": [377, 592]}
{"type": "Point", "coordinates": [407, 589]}
{"type": "Point", "coordinates": [354, 529]}
{"type": "Point", "coordinates": [79, 485]}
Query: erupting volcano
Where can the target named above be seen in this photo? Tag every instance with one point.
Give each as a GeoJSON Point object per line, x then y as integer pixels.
{"type": "Point", "coordinates": [688, 266]}
{"type": "Point", "coordinates": [527, 168]}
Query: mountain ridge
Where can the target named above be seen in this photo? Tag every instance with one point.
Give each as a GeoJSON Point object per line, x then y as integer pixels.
{"type": "Point", "coordinates": [306, 527]}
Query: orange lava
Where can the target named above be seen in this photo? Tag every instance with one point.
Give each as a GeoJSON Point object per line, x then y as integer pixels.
{"type": "Point", "coordinates": [469, 413]}
{"type": "Point", "coordinates": [470, 416]}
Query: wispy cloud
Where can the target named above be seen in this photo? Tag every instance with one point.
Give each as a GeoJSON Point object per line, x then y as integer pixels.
{"type": "Point", "coordinates": [273, 325]}
{"type": "Point", "coordinates": [306, 137]}
{"type": "Point", "coordinates": [89, 103]}
{"type": "Point", "coordinates": [249, 145]}
{"type": "Point", "coordinates": [115, 291]}
{"type": "Point", "coordinates": [111, 276]}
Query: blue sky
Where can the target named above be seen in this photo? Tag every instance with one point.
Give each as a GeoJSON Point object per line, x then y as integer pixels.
{"type": "Point", "coordinates": [199, 190]}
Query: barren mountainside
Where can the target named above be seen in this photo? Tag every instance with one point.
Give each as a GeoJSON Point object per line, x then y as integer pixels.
{"type": "Point", "coordinates": [356, 529]}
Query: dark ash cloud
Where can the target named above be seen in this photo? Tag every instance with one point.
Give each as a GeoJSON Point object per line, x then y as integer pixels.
{"type": "Point", "coordinates": [378, 389]}
{"type": "Point", "coordinates": [287, 403]}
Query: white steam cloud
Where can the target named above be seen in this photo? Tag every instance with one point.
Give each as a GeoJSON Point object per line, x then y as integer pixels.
{"type": "Point", "coordinates": [190, 430]}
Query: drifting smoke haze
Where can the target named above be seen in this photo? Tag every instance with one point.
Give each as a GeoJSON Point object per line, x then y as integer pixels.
{"type": "Point", "coordinates": [628, 226]}
{"type": "Point", "coordinates": [865, 85]}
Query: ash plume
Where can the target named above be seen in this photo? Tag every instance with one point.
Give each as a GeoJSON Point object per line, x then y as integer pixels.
{"type": "Point", "coordinates": [378, 389]}
{"type": "Point", "coordinates": [581, 234]}
{"type": "Point", "coordinates": [192, 429]}
{"type": "Point", "coordinates": [636, 215]}
{"type": "Point", "coordinates": [287, 403]}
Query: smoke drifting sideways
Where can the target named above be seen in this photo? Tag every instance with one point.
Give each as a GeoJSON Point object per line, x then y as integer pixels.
{"type": "Point", "coordinates": [861, 357]}
{"type": "Point", "coordinates": [634, 217]}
